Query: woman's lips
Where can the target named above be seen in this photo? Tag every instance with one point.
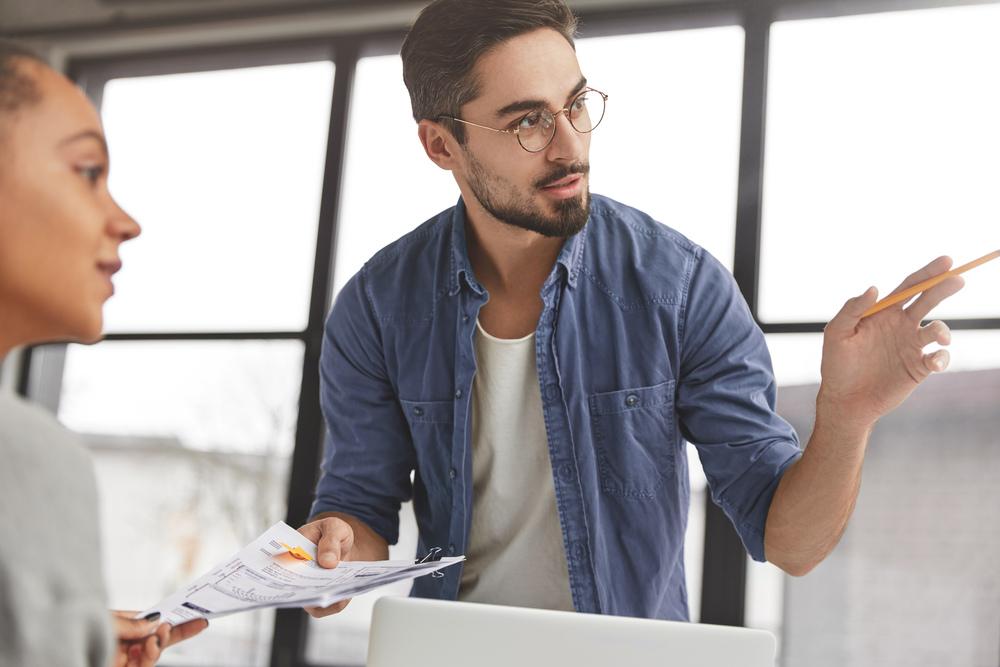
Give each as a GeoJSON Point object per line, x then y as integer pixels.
{"type": "Point", "coordinates": [108, 269]}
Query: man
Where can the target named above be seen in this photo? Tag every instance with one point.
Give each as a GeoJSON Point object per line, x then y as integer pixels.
{"type": "Point", "coordinates": [537, 356]}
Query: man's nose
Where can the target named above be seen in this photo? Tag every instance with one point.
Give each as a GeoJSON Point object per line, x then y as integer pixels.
{"type": "Point", "coordinates": [567, 144]}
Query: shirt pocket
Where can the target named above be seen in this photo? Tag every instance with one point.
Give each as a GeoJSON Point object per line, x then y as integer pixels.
{"type": "Point", "coordinates": [634, 438]}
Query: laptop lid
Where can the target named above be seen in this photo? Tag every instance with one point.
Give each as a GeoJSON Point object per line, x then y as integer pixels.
{"type": "Point", "coordinates": [412, 632]}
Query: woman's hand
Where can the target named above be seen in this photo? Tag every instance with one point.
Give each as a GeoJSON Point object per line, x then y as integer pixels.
{"type": "Point", "coordinates": [140, 641]}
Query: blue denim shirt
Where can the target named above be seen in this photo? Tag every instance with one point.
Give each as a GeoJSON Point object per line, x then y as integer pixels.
{"type": "Point", "coordinates": [644, 342]}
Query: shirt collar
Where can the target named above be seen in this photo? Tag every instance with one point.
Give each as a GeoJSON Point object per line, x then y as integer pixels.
{"type": "Point", "coordinates": [570, 256]}
{"type": "Point", "coordinates": [461, 268]}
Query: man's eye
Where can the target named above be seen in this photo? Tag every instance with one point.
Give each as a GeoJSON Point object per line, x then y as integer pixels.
{"type": "Point", "coordinates": [579, 104]}
{"type": "Point", "coordinates": [530, 122]}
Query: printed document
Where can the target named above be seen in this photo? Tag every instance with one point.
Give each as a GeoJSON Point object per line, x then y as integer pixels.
{"type": "Point", "coordinates": [279, 569]}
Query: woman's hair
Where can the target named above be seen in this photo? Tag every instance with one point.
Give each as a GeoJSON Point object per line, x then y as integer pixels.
{"type": "Point", "coordinates": [17, 87]}
{"type": "Point", "coordinates": [448, 38]}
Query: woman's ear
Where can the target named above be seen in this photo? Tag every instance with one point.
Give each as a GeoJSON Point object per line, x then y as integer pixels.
{"type": "Point", "coordinates": [439, 144]}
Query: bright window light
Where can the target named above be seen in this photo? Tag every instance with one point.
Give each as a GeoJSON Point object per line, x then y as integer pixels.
{"type": "Point", "coordinates": [883, 152]}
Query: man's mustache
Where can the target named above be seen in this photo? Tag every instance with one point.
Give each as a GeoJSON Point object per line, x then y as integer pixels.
{"type": "Point", "coordinates": [561, 173]}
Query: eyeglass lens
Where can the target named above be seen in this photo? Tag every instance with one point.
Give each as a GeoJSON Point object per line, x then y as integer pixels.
{"type": "Point", "coordinates": [585, 112]}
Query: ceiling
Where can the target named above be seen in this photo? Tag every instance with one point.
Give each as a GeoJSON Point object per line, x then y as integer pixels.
{"type": "Point", "coordinates": [29, 17]}
{"type": "Point", "coordinates": [50, 18]}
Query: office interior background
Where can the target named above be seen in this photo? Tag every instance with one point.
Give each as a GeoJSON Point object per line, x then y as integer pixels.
{"type": "Point", "coordinates": [816, 147]}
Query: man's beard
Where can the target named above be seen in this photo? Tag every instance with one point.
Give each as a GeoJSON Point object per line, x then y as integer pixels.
{"type": "Point", "coordinates": [519, 211]}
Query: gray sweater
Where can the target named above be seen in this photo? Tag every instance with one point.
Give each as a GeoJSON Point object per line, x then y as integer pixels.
{"type": "Point", "coordinates": [53, 611]}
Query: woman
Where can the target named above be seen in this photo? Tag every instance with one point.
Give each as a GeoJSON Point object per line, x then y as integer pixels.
{"type": "Point", "coordinates": [60, 232]}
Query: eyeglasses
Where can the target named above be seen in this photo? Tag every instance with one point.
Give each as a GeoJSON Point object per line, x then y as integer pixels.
{"type": "Point", "coordinates": [535, 130]}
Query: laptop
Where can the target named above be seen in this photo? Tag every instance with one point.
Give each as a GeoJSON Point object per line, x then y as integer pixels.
{"type": "Point", "coordinates": [412, 632]}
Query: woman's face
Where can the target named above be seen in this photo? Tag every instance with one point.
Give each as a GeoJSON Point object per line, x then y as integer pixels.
{"type": "Point", "coordinates": [60, 230]}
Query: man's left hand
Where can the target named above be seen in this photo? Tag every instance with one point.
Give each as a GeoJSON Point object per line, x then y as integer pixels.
{"type": "Point", "coordinates": [871, 365]}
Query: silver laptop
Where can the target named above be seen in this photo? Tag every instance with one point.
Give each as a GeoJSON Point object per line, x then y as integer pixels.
{"type": "Point", "coordinates": [411, 632]}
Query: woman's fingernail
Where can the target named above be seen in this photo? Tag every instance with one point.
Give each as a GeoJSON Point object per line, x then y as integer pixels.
{"type": "Point", "coordinates": [151, 617]}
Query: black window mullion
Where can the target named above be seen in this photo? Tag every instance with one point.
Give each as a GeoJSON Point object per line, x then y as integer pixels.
{"type": "Point", "coordinates": [750, 186]}
{"type": "Point", "coordinates": [984, 324]}
{"type": "Point", "coordinates": [206, 336]}
{"type": "Point", "coordinates": [816, 9]}
{"type": "Point", "coordinates": [723, 588]}
{"type": "Point", "coordinates": [291, 625]}
{"type": "Point", "coordinates": [23, 382]}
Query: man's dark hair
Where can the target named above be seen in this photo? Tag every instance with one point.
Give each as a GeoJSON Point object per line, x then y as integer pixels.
{"type": "Point", "coordinates": [450, 36]}
{"type": "Point", "coordinates": [17, 87]}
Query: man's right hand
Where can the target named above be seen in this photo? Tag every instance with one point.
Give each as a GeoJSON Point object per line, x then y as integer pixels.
{"type": "Point", "coordinates": [335, 540]}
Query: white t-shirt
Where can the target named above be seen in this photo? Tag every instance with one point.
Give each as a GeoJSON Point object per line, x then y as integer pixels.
{"type": "Point", "coordinates": [515, 552]}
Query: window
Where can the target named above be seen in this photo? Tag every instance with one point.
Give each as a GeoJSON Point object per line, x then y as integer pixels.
{"type": "Point", "coordinates": [879, 157]}
{"type": "Point", "coordinates": [787, 607]}
{"type": "Point", "coordinates": [669, 142]}
{"type": "Point", "coordinates": [390, 186]}
{"type": "Point", "coordinates": [922, 535]}
{"type": "Point", "coordinates": [191, 407]}
{"type": "Point", "coordinates": [669, 145]}
{"type": "Point", "coordinates": [223, 170]}
{"type": "Point", "coordinates": [191, 442]}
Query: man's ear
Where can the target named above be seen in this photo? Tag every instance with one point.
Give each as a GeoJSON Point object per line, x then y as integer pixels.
{"type": "Point", "coordinates": [439, 144]}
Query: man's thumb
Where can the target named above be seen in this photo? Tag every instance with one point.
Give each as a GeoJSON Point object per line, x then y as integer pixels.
{"type": "Point", "coordinates": [849, 316]}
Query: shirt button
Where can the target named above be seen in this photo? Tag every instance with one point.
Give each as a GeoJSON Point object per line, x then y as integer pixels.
{"type": "Point", "coordinates": [578, 549]}
{"type": "Point", "coordinates": [418, 411]}
{"type": "Point", "coordinates": [631, 400]}
{"type": "Point", "coordinates": [452, 473]}
{"type": "Point", "coordinates": [465, 318]}
{"type": "Point", "coordinates": [451, 549]}
{"type": "Point", "coordinates": [458, 393]}
{"type": "Point", "coordinates": [565, 471]}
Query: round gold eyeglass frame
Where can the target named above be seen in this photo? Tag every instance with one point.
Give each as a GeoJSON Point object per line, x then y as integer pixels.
{"type": "Point", "coordinates": [550, 121]}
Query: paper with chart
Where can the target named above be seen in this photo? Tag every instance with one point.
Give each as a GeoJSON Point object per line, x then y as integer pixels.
{"type": "Point", "coordinates": [279, 569]}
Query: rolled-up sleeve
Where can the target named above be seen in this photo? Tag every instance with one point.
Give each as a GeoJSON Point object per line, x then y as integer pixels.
{"type": "Point", "coordinates": [726, 402]}
{"type": "Point", "coordinates": [369, 454]}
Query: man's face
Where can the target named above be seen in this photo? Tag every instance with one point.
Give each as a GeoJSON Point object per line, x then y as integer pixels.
{"type": "Point", "coordinates": [545, 192]}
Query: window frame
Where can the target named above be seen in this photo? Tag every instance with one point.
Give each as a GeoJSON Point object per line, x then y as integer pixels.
{"type": "Point", "coordinates": [37, 371]}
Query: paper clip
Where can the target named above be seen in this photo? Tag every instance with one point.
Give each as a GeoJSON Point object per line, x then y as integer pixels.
{"type": "Point", "coordinates": [433, 555]}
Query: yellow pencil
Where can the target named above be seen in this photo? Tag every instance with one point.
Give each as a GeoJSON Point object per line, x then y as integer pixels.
{"type": "Point", "coordinates": [927, 284]}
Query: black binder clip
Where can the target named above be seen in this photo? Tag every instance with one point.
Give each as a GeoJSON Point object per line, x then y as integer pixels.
{"type": "Point", "coordinates": [431, 556]}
